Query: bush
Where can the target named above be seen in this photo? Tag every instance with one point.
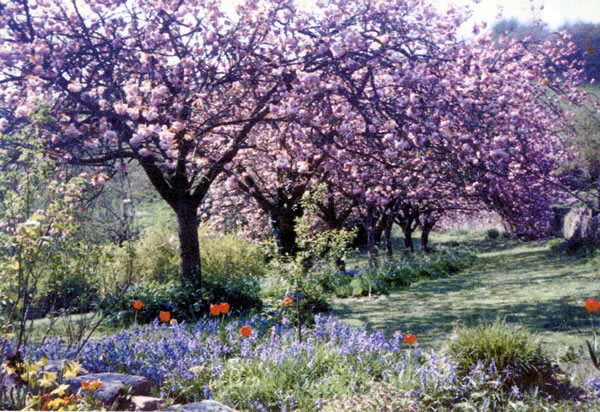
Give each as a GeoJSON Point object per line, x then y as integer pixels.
{"type": "Point", "coordinates": [69, 291]}
{"type": "Point", "coordinates": [385, 277]}
{"type": "Point", "coordinates": [224, 258]}
{"type": "Point", "coordinates": [231, 255]}
{"type": "Point", "coordinates": [156, 254]}
{"type": "Point", "coordinates": [577, 249]}
{"type": "Point", "coordinates": [493, 233]}
{"type": "Point", "coordinates": [184, 303]}
{"type": "Point", "coordinates": [231, 270]}
{"type": "Point", "coordinates": [508, 350]}
{"type": "Point", "coordinates": [69, 281]}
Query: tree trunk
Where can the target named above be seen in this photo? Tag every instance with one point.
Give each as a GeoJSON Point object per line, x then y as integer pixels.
{"type": "Point", "coordinates": [408, 243]}
{"type": "Point", "coordinates": [388, 240]}
{"type": "Point", "coordinates": [426, 230]}
{"type": "Point", "coordinates": [371, 245]}
{"type": "Point", "coordinates": [283, 225]}
{"type": "Point", "coordinates": [377, 235]}
{"type": "Point", "coordinates": [189, 247]}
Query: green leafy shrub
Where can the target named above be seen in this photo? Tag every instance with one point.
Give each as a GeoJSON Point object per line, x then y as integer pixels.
{"type": "Point", "coordinates": [228, 258]}
{"type": "Point", "coordinates": [184, 303]}
{"type": "Point", "coordinates": [306, 274]}
{"type": "Point", "coordinates": [156, 255]}
{"type": "Point", "coordinates": [581, 249]}
{"type": "Point", "coordinates": [231, 256]}
{"type": "Point", "coordinates": [70, 282]}
{"type": "Point", "coordinates": [493, 233]}
{"type": "Point", "coordinates": [509, 350]}
{"type": "Point", "coordinates": [231, 270]}
{"type": "Point", "coordinates": [384, 277]}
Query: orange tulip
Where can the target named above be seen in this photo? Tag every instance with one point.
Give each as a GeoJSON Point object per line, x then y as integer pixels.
{"type": "Point", "coordinates": [164, 316]}
{"type": "Point", "coordinates": [224, 307]}
{"type": "Point", "coordinates": [246, 331]}
{"type": "Point", "coordinates": [410, 338]}
{"type": "Point", "coordinates": [592, 305]}
{"type": "Point", "coordinates": [91, 386]}
{"type": "Point", "coordinates": [215, 310]}
{"type": "Point", "coordinates": [287, 301]}
{"type": "Point", "coordinates": [137, 304]}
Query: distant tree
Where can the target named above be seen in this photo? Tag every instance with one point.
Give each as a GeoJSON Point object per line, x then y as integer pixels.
{"type": "Point", "coordinates": [585, 38]}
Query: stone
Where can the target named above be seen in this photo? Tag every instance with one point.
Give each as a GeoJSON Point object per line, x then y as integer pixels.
{"type": "Point", "coordinates": [580, 225]}
{"type": "Point", "coordinates": [112, 385]}
{"type": "Point", "coordinates": [204, 406]}
{"type": "Point", "coordinates": [146, 403]}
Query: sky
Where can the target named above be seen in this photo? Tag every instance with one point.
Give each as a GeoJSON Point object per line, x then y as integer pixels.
{"type": "Point", "coordinates": [554, 12]}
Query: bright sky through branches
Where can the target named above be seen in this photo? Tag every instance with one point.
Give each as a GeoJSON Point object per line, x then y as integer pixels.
{"type": "Point", "coordinates": [554, 12]}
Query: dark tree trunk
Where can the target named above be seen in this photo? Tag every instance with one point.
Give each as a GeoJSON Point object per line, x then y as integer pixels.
{"type": "Point", "coordinates": [361, 238]}
{"type": "Point", "coordinates": [388, 239]}
{"type": "Point", "coordinates": [370, 224]}
{"type": "Point", "coordinates": [189, 247]}
{"type": "Point", "coordinates": [371, 245]}
{"type": "Point", "coordinates": [377, 235]}
{"type": "Point", "coordinates": [283, 225]}
{"type": "Point", "coordinates": [408, 243]}
{"type": "Point", "coordinates": [426, 230]}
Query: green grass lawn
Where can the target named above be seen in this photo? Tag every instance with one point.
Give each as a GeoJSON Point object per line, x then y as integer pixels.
{"type": "Point", "coordinates": [520, 282]}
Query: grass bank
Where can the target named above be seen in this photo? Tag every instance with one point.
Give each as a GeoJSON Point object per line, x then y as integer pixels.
{"type": "Point", "coordinates": [520, 282]}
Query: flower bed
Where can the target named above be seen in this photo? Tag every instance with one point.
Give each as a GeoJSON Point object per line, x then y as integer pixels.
{"type": "Point", "coordinates": [250, 364]}
{"type": "Point", "coordinates": [268, 368]}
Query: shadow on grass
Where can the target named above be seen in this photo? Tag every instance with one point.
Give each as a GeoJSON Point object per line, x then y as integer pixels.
{"type": "Point", "coordinates": [519, 282]}
{"type": "Point", "coordinates": [481, 245]}
{"type": "Point", "coordinates": [434, 325]}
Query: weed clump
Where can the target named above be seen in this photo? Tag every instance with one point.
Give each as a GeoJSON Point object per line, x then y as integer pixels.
{"type": "Point", "coordinates": [510, 352]}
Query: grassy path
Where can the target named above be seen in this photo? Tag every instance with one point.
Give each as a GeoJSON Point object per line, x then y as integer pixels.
{"type": "Point", "coordinates": [519, 282]}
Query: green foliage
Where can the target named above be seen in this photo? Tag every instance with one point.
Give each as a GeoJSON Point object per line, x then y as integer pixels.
{"type": "Point", "coordinates": [493, 233]}
{"type": "Point", "coordinates": [231, 270]}
{"type": "Point", "coordinates": [73, 282]}
{"type": "Point", "coordinates": [231, 263]}
{"type": "Point", "coordinates": [518, 358]}
{"type": "Point", "coordinates": [579, 250]}
{"type": "Point", "coordinates": [307, 275]}
{"type": "Point", "coordinates": [388, 276]}
{"type": "Point", "coordinates": [39, 216]}
{"type": "Point", "coordinates": [184, 303]}
{"type": "Point", "coordinates": [156, 255]}
{"type": "Point", "coordinates": [226, 259]}
{"type": "Point", "coordinates": [304, 380]}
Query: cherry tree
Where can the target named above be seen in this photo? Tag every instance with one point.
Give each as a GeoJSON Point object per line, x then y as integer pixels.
{"type": "Point", "coordinates": [361, 60]}
{"type": "Point", "coordinates": [273, 97]}
{"type": "Point", "coordinates": [175, 86]}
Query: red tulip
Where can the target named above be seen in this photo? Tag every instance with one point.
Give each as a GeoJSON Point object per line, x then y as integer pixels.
{"type": "Point", "coordinates": [246, 331]}
{"type": "Point", "coordinates": [164, 316]}
{"type": "Point", "coordinates": [224, 307]}
{"type": "Point", "coordinates": [137, 304]}
{"type": "Point", "coordinates": [592, 305]}
{"type": "Point", "coordinates": [215, 310]}
{"type": "Point", "coordinates": [410, 338]}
